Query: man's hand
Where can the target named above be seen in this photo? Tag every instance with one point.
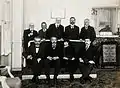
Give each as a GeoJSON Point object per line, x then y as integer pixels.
{"type": "Point", "coordinates": [29, 57]}
{"type": "Point", "coordinates": [91, 62]}
{"type": "Point", "coordinates": [65, 58]}
{"type": "Point", "coordinates": [43, 39]}
{"type": "Point", "coordinates": [81, 60]}
{"type": "Point", "coordinates": [82, 40]}
{"type": "Point", "coordinates": [30, 34]}
{"type": "Point", "coordinates": [49, 57]}
{"type": "Point", "coordinates": [39, 59]}
{"type": "Point", "coordinates": [30, 42]}
{"type": "Point", "coordinates": [73, 58]}
{"type": "Point", "coordinates": [61, 39]}
{"type": "Point", "coordinates": [55, 58]}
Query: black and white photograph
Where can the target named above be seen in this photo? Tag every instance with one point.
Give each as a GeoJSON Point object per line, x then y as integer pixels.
{"type": "Point", "coordinates": [59, 43]}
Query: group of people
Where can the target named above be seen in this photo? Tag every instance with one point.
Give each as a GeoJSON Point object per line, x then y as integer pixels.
{"type": "Point", "coordinates": [55, 45]}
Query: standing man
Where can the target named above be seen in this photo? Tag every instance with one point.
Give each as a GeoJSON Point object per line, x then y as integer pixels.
{"type": "Point", "coordinates": [42, 32]}
{"type": "Point", "coordinates": [53, 53]}
{"type": "Point", "coordinates": [29, 35]}
{"type": "Point", "coordinates": [56, 30]}
{"type": "Point", "coordinates": [87, 31]}
{"type": "Point", "coordinates": [72, 31]}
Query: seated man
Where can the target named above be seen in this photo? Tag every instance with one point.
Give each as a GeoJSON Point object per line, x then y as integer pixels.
{"type": "Point", "coordinates": [53, 53]}
{"type": "Point", "coordinates": [11, 82]}
{"type": "Point", "coordinates": [86, 61]}
{"type": "Point", "coordinates": [69, 56]}
{"type": "Point", "coordinates": [36, 55]}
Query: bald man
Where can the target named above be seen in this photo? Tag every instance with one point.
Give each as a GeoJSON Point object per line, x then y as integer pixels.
{"type": "Point", "coordinates": [55, 30]}
{"type": "Point", "coordinates": [87, 32]}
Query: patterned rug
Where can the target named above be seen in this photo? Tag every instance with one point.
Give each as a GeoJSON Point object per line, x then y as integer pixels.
{"type": "Point", "coordinates": [105, 79]}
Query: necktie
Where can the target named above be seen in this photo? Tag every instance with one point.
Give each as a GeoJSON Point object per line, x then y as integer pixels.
{"type": "Point", "coordinates": [87, 46]}
{"type": "Point", "coordinates": [57, 26]}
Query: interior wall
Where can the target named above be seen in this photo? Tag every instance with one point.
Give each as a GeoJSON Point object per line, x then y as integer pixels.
{"type": "Point", "coordinates": [36, 11]}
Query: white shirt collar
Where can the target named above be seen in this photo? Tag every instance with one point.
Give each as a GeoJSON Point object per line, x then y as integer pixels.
{"type": "Point", "coordinates": [57, 24]}
{"type": "Point", "coordinates": [44, 30]}
{"type": "Point", "coordinates": [72, 26]}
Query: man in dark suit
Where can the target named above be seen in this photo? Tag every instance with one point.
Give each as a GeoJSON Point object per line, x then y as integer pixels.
{"type": "Point", "coordinates": [71, 31]}
{"type": "Point", "coordinates": [29, 35]}
{"type": "Point", "coordinates": [87, 31]}
{"type": "Point", "coordinates": [69, 56]}
{"type": "Point", "coordinates": [53, 54]}
{"type": "Point", "coordinates": [42, 32]}
{"type": "Point", "coordinates": [56, 30]}
{"type": "Point", "coordinates": [86, 61]}
{"type": "Point", "coordinates": [36, 57]}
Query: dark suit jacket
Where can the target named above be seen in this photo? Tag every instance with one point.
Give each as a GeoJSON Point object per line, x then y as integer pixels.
{"type": "Point", "coordinates": [69, 52]}
{"type": "Point", "coordinates": [71, 33]}
{"type": "Point", "coordinates": [27, 38]}
{"type": "Point", "coordinates": [32, 51]}
{"type": "Point", "coordinates": [89, 33]}
{"type": "Point", "coordinates": [88, 54]}
{"type": "Point", "coordinates": [58, 51]}
{"type": "Point", "coordinates": [55, 32]}
{"type": "Point", "coordinates": [42, 34]}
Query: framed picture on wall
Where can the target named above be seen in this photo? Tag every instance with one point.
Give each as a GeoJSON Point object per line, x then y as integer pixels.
{"type": "Point", "coordinates": [58, 13]}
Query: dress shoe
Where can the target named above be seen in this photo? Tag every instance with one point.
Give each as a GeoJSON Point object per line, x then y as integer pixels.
{"type": "Point", "coordinates": [35, 79]}
{"type": "Point", "coordinates": [82, 81]}
{"type": "Point", "coordinates": [71, 78]}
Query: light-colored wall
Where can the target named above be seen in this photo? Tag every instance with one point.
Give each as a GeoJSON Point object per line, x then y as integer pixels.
{"type": "Point", "coordinates": [17, 33]}
{"type": "Point", "coordinates": [37, 11]}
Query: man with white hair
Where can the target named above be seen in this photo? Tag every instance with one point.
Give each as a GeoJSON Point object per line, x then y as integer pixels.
{"type": "Point", "coordinates": [56, 30]}
{"type": "Point", "coordinates": [29, 35]}
{"type": "Point", "coordinates": [87, 31]}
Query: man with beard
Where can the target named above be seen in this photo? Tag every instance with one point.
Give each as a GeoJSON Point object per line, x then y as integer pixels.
{"type": "Point", "coordinates": [72, 33]}
{"type": "Point", "coordinates": [53, 53]}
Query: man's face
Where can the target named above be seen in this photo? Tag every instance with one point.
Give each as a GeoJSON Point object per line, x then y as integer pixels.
{"type": "Point", "coordinates": [54, 40]}
{"type": "Point", "coordinates": [31, 26]}
{"type": "Point", "coordinates": [87, 41]}
{"type": "Point", "coordinates": [86, 22]}
{"type": "Point", "coordinates": [58, 20]}
{"type": "Point", "coordinates": [37, 41]}
{"type": "Point", "coordinates": [44, 26]}
{"type": "Point", "coordinates": [72, 21]}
